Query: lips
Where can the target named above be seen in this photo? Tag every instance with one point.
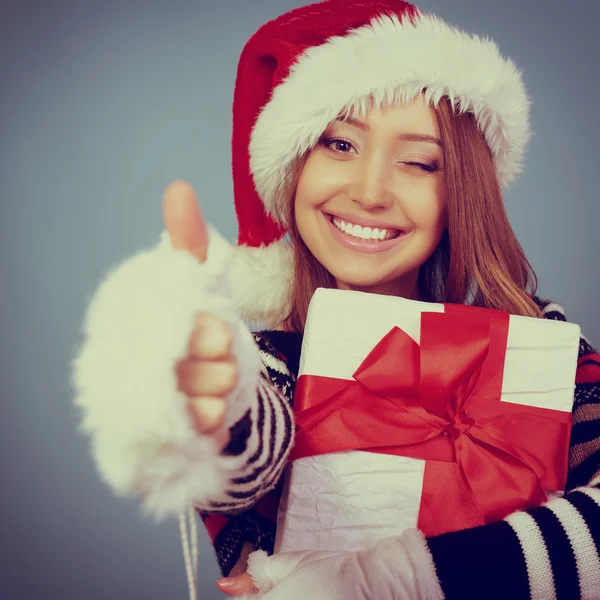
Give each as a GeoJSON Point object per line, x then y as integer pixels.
{"type": "Point", "coordinates": [363, 245]}
{"type": "Point", "coordinates": [365, 221]}
{"type": "Point", "coordinates": [365, 233]}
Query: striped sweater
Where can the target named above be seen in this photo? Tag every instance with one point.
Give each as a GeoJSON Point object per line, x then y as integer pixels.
{"type": "Point", "coordinates": [552, 551]}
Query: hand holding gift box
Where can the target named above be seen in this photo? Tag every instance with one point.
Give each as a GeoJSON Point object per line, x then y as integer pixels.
{"type": "Point", "coordinates": [418, 414]}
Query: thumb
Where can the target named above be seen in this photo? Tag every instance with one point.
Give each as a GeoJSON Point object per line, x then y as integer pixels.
{"type": "Point", "coordinates": [183, 219]}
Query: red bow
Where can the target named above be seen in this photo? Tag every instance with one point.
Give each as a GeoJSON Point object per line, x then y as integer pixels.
{"type": "Point", "coordinates": [440, 402]}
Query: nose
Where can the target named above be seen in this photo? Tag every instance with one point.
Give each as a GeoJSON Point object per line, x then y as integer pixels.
{"type": "Point", "coordinates": [369, 185]}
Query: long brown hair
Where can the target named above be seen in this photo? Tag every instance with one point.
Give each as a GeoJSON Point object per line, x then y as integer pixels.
{"type": "Point", "coordinates": [478, 261]}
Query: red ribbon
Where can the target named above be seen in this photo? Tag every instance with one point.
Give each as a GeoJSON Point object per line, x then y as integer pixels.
{"type": "Point", "coordinates": [440, 401]}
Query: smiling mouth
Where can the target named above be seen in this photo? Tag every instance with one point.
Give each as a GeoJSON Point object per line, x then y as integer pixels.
{"type": "Point", "coordinates": [372, 234]}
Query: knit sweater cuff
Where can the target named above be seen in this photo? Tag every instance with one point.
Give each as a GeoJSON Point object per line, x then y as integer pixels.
{"type": "Point", "coordinates": [482, 562]}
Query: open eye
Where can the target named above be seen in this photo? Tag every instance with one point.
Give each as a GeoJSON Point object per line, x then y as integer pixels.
{"type": "Point", "coordinates": [337, 145]}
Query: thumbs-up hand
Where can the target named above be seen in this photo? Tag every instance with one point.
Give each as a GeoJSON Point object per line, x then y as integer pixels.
{"type": "Point", "coordinates": [184, 220]}
{"type": "Point", "coordinates": [209, 372]}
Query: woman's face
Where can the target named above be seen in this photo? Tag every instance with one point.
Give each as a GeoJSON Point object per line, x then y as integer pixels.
{"type": "Point", "coordinates": [370, 202]}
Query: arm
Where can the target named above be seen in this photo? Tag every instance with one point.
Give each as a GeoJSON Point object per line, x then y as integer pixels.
{"type": "Point", "coordinates": [262, 439]}
{"type": "Point", "coordinates": [136, 327]}
{"type": "Point", "coordinates": [551, 551]}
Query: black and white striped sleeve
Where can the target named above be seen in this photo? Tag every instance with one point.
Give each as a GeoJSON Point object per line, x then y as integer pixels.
{"type": "Point", "coordinates": [549, 552]}
{"type": "Point", "coordinates": [262, 439]}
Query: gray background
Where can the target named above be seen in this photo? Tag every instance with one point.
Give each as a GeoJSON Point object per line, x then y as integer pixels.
{"type": "Point", "coordinates": [104, 103]}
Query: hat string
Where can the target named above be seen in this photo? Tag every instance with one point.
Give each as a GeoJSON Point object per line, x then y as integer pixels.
{"type": "Point", "coordinates": [190, 555]}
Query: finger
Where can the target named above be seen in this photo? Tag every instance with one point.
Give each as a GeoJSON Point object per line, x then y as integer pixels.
{"type": "Point", "coordinates": [206, 377]}
{"type": "Point", "coordinates": [237, 586]}
{"type": "Point", "coordinates": [211, 338]}
{"type": "Point", "coordinates": [183, 219]}
{"type": "Point", "coordinates": [208, 413]}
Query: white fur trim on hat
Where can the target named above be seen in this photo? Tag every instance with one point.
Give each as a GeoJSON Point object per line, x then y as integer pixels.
{"type": "Point", "coordinates": [389, 61]}
{"type": "Point", "coordinates": [261, 281]}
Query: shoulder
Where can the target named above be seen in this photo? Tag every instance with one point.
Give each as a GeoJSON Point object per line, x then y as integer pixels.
{"type": "Point", "coordinates": [550, 309]}
{"type": "Point", "coordinates": [554, 311]}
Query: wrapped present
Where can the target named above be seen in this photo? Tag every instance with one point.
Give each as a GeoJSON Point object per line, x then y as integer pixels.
{"type": "Point", "coordinates": [413, 414]}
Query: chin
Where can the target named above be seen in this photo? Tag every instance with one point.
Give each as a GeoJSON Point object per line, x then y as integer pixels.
{"type": "Point", "coordinates": [362, 278]}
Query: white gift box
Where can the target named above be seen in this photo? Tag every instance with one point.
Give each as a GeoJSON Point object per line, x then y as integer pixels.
{"type": "Point", "coordinates": [349, 500]}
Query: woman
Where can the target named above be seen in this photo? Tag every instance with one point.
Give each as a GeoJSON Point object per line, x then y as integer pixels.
{"type": "Point", "coordinates": [352, 120]}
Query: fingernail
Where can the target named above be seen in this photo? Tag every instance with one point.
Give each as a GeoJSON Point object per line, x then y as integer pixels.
{"type": "Point", "coordinates": [209, 410]}
{"type": "Point", "coordinates": [211, 338]}
{"type": "Point", "coordinates": [226, 582]}
{"type": "Point", "coordinates": [209, 324]}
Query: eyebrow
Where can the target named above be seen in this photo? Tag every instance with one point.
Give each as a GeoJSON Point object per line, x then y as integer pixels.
{"type": "Point", "coordinates": [408, 137]}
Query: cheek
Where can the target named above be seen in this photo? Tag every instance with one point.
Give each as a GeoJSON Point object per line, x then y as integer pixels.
{"type": "Point", "coordinates": [304, 199]}
{"type": "Point", "coordinates": [303, 205]}
{"type": "Point", "coordinates": [320, 180]}
{"type": "Point", "coordinates": [308, 182]}
{"type": "Point", "coordinates": [430, 213]}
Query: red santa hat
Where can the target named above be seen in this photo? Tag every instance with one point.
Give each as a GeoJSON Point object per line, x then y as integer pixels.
{"type": "Point", "coordinates": [300, 71]}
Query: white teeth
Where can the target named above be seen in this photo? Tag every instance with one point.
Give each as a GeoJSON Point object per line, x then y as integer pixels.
{"type": "Point", "coordinates": [365, 233]}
